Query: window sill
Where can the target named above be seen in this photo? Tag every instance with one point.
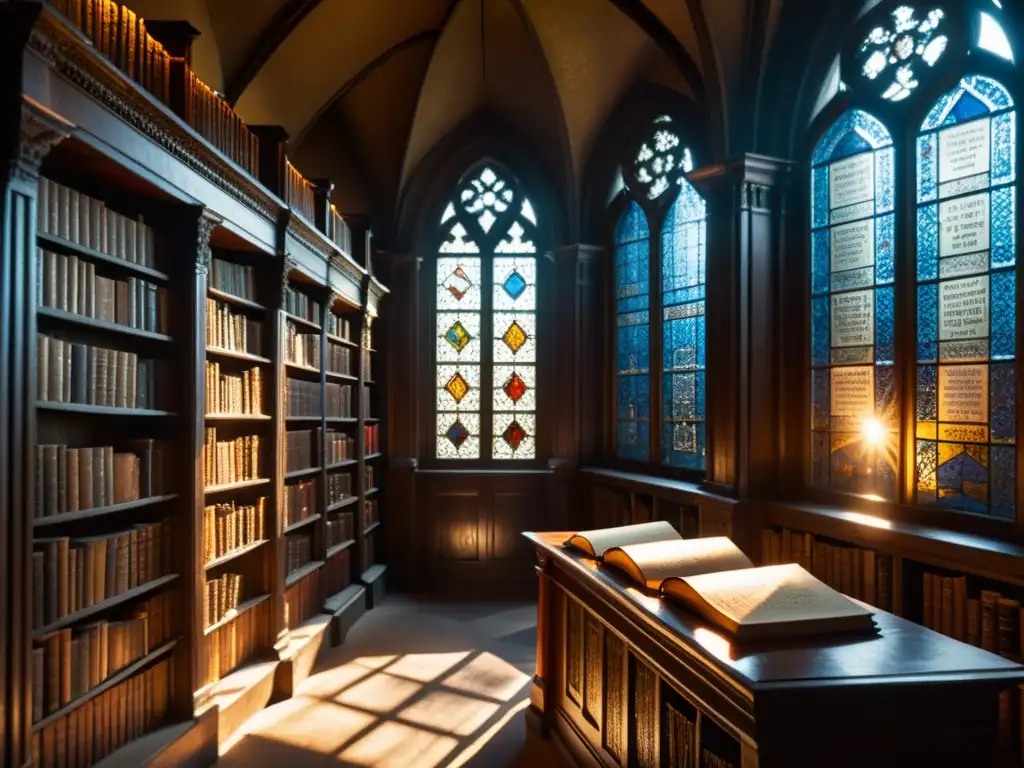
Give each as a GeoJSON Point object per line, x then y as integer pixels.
{"type": "Point", "coordinates": [674, 490]}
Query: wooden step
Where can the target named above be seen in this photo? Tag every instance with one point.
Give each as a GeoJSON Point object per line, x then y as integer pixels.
{"type": "Point", "coordinates": [373, 578]}
{"type": "Point", "coordinates": [238, 696]}
{"type": "Point", "coordinates": [191, 744]}
{"type": "Point", "coordinates": [345, 609]}
{"type": "Point", "coordinates": [299, 653]}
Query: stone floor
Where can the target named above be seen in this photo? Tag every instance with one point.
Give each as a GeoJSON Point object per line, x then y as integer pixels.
{"type": "Point", "coordinates": [416, 685]}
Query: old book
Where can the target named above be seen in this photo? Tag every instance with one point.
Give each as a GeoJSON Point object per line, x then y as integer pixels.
{"type": "Point", "coordinates": [769, 602]}
{"type": "Point", "coordinates": [595, 543]}
{"type": "Point", "coordinates": [652, 562]}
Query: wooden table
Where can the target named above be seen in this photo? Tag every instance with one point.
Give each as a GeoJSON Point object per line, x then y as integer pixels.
{"type": "Point", "coordinates": [625, 678]}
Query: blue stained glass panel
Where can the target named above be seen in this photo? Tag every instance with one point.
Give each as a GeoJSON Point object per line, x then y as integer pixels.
{"type": "Point", "coordinates": [819, 331]}
{"type": "Point", "coordinates": [928, 242]}
{"type": "Point", "coordinates": [633, 440]}
{"type": "Point", "coordinates": [1003, 481]}
{"type": "Point", "coordinates": [884, 188]}
{"type": "Point", "coordinates": [680, 347]}
{"type": "Point", "coordinates": [983, 91]}
{"type": "Point", "coordinates": [634, 397]}
{"type": "Point", "coordinates": [927, 322]}
{"type": "Point", "coordinates": [1003, 315]}
{"type": "Point", "coordinates": [820, 411]}
{"type": "Point", "coordinates": [927, 167]}
{"type": "Point", "coordinates": [632, 225]}
{"type": "Point", "coordinates": [927, 461]}
{"type": "Point", "coordinates": [885, 322]}
{"type": "Point", "coordinates": [633, 351]}
{"type": "Point", "coordinates": [819, 194]}
{"type": "Point", "coordinates": [1004, 148]}
{"type": "Point", "coordinates": [854, 131]}
{"type": "Point", "coordinates": [963, 477]}
{"type": "Point", "coordinates": [884, 262]}
{"type": "Point", "coordinates": [885, 396]}
{"type": "Point", "coordinates": [1002, 395]}
{"type": "Point", "coordinates": [1004, 226]}
{"type": "Point", "coordinates": [927, 393]}
{"type": "Point", "coordinates": [820, 261]}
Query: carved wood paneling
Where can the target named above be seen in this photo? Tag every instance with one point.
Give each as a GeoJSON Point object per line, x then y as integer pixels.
{"type": "Point", "coordinates": [574, 651]}
{"type": "Point", "coordinates": [615, 697]}
{"type": "Point", "coordinates": [457, 517]}
{"type": "Point", "coordinates": [594, 647]}
{"type": "Point", "coordinates": [680, 738]}
{"type": "Point", "coordinates": [644, 717]}
{"type": "Point", "coordinates": [514, 512]}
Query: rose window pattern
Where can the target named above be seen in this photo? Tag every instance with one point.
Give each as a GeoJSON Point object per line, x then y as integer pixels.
{"type": "Point", "coordinates": [895, 54]}
{"type": "Point", "coordinates": [660, 159]}
{"type": "Point", "coordinates": [486, 323]}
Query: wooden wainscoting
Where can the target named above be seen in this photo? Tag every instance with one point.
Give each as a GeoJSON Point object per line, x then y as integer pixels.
{"type": "Point", "coordinates": [469, 527]}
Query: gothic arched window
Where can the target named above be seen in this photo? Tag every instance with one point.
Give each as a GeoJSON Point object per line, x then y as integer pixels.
{"type": "Point", "coordinates": [486, 321]}
{"type": "Point", "coordinates": [660, 386]}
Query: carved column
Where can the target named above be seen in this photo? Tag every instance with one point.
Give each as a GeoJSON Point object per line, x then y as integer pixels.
{"type": "Point", "coordinates": [541, 680]}
{"type": "Point", "coordinates": [744, 229]}
{"type": "Point", "coordinates": [37, 131]}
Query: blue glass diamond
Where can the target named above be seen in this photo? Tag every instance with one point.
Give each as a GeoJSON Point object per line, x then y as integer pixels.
{"type": "Point", "coordinates": [514, 285]}
{"type": "Point", "coordinates": [457, 433]}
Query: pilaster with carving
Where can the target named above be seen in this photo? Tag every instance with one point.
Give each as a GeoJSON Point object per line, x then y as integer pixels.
{"type": "Point", "coordinates": [745, 224]}
{"type": "Point", "coordinates": [37, 131]}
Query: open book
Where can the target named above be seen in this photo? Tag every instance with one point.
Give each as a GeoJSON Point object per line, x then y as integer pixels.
{"type": "Point", "coordinates": [716, 580]}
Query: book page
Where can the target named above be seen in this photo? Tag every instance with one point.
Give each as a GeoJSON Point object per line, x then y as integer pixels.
{"type": "Point", "coordinates": [599, 541]}
{"type": "Point", "coordinates": [772, 594]}
{"type": "Point", "coordinates": [660, 560]}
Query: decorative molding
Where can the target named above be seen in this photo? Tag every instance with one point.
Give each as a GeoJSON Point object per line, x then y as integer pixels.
{"type": "Point", "coordinates": [204, 252]}
{"type": "Point", "coordinates": [756, 196]}
{"type": "Point", "coordinates": [288, 265]}
{"type": "Point", "coordinates": [593, 670]}
{"type": "Point", "coordinates": [574, 624]}
{"type": "Point", "coordinates": [615, 684]}
{"type": "Point", "coordinates": [41, 131]}
{"type": "Point", "coordinates": [70, 58]}
{"type": "Point", "coordinates": [645, 715]}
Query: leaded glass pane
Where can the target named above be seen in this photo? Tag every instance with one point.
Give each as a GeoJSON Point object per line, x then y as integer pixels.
{"type": "Point", "coordinates": [632, 337]}
{"type": "Point", "coordinates": [853, 395]}
{"type": "Point", "coordinates": [966, 294]}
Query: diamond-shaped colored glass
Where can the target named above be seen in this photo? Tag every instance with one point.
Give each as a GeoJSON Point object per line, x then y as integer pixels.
{"type": "Point", "coordinates": [515, 387]}
{"type": "Point", "coordinates": [457, 433]}
{"type": "Point", "coordinates": [458, 336]}
{"type": "Point", "coordinates": [514, 285]}
{"type": "Point", "coordinates": [458, 283]}
{"type": "Point", "coordinates": [457, 387]}
{"type": "Point", "coordinates": [514, 435]}
{"type": "Point", "coordinates": [515, 337]}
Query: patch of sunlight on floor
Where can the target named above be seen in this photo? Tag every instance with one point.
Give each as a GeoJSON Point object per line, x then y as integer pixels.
{"type": "Point", "coordinates": [393, 745]}
{"type": "Point", "coordinates": [379, 693]}
{"type": "Point", "coordinates": [329, 682]}
{"type": "Point", "coordinates": [483, 739]}
{"type": "Point", "coordinates": [448, 711]}
{"type": "Point", "coordinates": [374, 662]}
{"type": "Point", "coordinates": [487, 675]}
{"type": "Point", "coordinates": [425, 667]}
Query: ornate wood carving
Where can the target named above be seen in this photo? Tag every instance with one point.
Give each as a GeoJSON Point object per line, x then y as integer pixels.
{"type": "Point", "coordinates": [681, 737]}
{"type": "Point", "coordinates": [615, 697]}
{"type": "Point", "coordinates": [68, 57]}
{"type": "Point", "coordinates": [41, 131]}
{"type": "Point", "coordinates": [645, 716]}
{"type": "Point", "coordinates": [574, 652]}
{"type": "Point", "coordinates": [594, 647]}
{"type": "Point", "coordinates": [288, 265]}
{"type": "Point", "coordinates": [204, 253]}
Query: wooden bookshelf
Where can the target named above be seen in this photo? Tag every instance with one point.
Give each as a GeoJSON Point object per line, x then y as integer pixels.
{"type": "Point", "coordinates": [142, 281]}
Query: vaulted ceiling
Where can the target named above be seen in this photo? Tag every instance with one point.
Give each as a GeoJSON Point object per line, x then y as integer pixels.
{"type": "Point", "coordinates": [368, 88]}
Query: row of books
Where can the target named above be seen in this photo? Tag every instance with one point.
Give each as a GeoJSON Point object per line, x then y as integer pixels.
{"type": "Point", "coordinates": [339, 487]}
{"type": "Point", "coordinates": [215, 120]}
{"type": "Point", "coordinates": [340, 447]}
{"type": "Point", "coordinates": [234, 642]}
{"type": "Point", "coordinates": [367, 365]}
{"type": "Point", "coordinates": [370, 512]}
{"type": "Point", "coordinates": [301, 449]}
{"type": "Point", "coordinates": [67, 213]}
{"type": "Point", "coordinates": [104, 724]}
{"type": "Point", "coordinates": [372, 435]}
{"type": "Point", "coordinates": [299, 304]}
{"type": "Point", "coordinates": [368, 551]}
{"type": "Point", "coordinates": [368, 476]}
{"type": "Point", "coordinates": [227, 329]}
{"type": "Point", "coordinates": [302, 599]}
{"type": "Point", "coordinates": [299, 501]}
{"type": "Point", "coordinates": [341, 327]}
{"type": "Point", "coordinates": [298, 552]}
{"type": "Point", "coordinates": [237, 279]}
{"type": "Point", "coordinates": [364, 404]}
{"type": "Point", "coordinates": [859, 573]}
{"type": "Point", "coordinates": [301, 398]}
{"type": "Point", "coordinates": [339, 359]}
{"type": "Point", "coordinates": [71, 574]}
{"type": "Point", "coordinates": [302, 348]}
{"type": "Point", "coordinates": [336, 573]}
{"type": "Point", "coordinates": [299, 193]}
{"type": "Point", "coordinates": [222, 596]}
{"type": "Point", "coordinates": [234, 394]}
{"type": "Point", "coordinates": [988, 620]}
{"type": "Point", "coordinates": [230, 461]}
{"type": "Point", "coordinates": [230, 527]}
{"type": "Point", "coordinates": [339, 529]}
{"type": "Point", "coordinates": [79, 373]}
{"type": "Point", "coordinates": [340, 232]}
{"type": "Point", "coordinates": [338, 398]}
{"type": "Point", "coordinates": [77, 479]}
{"type": "Point", "coordinates": [67, 663]}
{"type": "Point", "coordinates": [71, 284]}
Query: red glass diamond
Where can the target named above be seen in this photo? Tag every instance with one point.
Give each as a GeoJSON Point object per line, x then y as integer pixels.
{"type": "Point", "coordinates": [514, 435]}
{"type": "Point", "coordinates": [515, 387]}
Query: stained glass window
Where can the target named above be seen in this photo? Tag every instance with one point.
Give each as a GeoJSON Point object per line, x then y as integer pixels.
{"type": "Point", "coordinates": [633, 330]}
{"type": "Point", "coordinates": [853, 391]}
{"type": "Point", "coordinates": [486, 392]}
{"type": "Point", "coordinates": [895, 53]}
{"type": "Point", "coordinates": [966, 300]}
{"type": "Point", "coordinates": [683, 255]}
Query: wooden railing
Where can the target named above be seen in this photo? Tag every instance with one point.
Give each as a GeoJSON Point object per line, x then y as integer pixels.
{"type": "Point", "coordinates": [340, 232]}
{"type": "Point", "coordinates": [214, 120]}
{"type": "Point", "coordinates": [300, 195]}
